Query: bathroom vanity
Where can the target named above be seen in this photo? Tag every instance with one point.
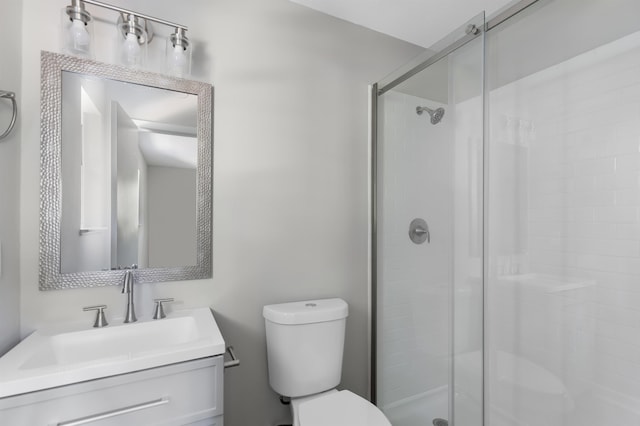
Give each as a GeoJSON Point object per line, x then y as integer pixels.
{"type": "Point", "coordinates": [165, 371]}
{"type": "Point", "coordinates": [153, 372]}
{"type": "Point", "coordinates": [177, 394]}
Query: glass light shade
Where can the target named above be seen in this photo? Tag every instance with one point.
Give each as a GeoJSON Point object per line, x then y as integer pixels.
{"type": "Point", "coordinates": [131, 52]}
{"type": "Point", "coordinates": [77, 34]}
{"type": "Point", "coordinates": [178, 58]}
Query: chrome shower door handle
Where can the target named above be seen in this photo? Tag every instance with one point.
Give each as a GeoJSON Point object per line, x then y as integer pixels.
{"type": "Point", "coordinates": [419, 231]}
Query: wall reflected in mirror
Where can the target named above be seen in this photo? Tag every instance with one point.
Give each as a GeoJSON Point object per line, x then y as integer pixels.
{"type": "Point", "coordinates": [129, 157]}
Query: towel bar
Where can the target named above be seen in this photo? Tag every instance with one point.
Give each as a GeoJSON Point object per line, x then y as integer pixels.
{"type": "Point", "coordinates": [10, 95]}
{"type": "Point", "coordinates": [234, 359]}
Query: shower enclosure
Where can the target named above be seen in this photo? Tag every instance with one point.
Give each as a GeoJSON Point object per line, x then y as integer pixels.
{"type": "Point", "coordinates": [506, 222]}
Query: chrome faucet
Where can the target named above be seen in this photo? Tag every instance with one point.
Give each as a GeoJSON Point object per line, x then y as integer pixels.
{"type": "Point", "coordinates": [127, 287]}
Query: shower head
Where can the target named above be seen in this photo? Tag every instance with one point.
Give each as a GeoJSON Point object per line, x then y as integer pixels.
{"type": "Point", "coordinates": [436, 115]}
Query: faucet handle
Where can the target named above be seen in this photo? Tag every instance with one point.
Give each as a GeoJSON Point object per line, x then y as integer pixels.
{"type": "Point", "coordinates": [100, 321]}
{"type": "Point", "coordinates": [158, 312]}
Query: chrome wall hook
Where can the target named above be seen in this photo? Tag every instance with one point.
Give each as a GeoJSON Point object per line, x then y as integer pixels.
{"type": "Point", "coordinates": [12, 96]}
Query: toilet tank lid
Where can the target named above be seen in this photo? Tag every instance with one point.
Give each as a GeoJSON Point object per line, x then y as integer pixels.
{"type": "Point", "coordinates": [307, 311]}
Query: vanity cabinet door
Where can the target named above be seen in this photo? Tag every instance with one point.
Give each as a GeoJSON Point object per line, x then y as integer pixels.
{"type": "Point", "coordinates": [177, 394]}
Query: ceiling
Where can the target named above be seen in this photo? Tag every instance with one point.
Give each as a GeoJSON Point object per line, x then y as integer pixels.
{"type": "Point", "coordinates": [421, 22]}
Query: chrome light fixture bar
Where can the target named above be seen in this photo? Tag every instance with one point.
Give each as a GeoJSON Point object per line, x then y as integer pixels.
{"type": "Point", "coordinates": [131, 12]}
{"type": "Point", "coordinates": [136, 30]}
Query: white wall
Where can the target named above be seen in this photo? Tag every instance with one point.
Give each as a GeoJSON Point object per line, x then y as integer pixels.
{"type": "Point", "coordinates": [290, 176]}
{"type": "Point", "coordinates": [10, 79]}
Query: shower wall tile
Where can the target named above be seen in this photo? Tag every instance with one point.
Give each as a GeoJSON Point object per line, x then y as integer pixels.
{"type": "Point", "coordinates": [628, 163]}
{"type": "Point", "coordinates": [619, 180]}
{"type": "Point", "coordinates": [592, 167]}
{"type": "Point", "coordinates": [627, 197]}
{"type": "Point", "coordinates": [617, 214]}
{"type": "Point", "coordinates": [627, 231]}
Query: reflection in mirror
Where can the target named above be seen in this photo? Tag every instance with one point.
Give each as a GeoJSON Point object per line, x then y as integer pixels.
{"type": "Point", "coordinates": [126, 175]}
{"type": "Point", "coordinates": [129, 156]}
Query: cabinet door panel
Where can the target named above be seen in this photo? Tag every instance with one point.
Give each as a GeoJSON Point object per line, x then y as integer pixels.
{"type": "Point", "coordinates": [177, 394]}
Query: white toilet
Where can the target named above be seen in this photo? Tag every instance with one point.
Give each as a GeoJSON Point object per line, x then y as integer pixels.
{"type": "Point", "coordinates": [305, 341]}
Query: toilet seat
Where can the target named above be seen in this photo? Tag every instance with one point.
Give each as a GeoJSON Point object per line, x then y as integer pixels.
{"type": "Point", "coordinates": [342, 408]}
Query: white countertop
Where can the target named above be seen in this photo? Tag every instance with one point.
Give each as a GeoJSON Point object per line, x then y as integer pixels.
{"type": "Point", "coordinates": [63, 354]}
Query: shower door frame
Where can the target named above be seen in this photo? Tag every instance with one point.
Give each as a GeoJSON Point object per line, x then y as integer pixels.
{"type": "Point", "coordinates": [498, 18]}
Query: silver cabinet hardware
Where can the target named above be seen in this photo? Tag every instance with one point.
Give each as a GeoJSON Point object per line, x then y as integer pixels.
{"type": "Point", "coordinates": [158, 312]}
{"type": "Point", "coordinates": [100, 321]}
{"type": "Point", "coordinates": [11, 96]}
{"type": "Point", "coordinates": [113, 413]}
{"type": "Point", "coordinates": [419, 231]}
{"type": "Point", "coordinates": [234, 359]}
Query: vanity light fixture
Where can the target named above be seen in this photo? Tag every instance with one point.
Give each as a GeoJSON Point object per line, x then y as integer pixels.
{"type": "Point", "coordinates": [178, 54]}
{"type": "Point", "coordinates": [136, 31]}
{"type": "Point", "coordinates": [77, 31]}
{"type": "Point", "coordinates": [133, 49]}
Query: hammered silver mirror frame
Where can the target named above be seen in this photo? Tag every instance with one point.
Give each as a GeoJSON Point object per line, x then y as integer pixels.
{"type": "Point", "coordinates": [51, 278]}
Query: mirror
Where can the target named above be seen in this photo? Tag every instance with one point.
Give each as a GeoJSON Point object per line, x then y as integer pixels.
{"type": "Point", "coordinates": [126, 175]}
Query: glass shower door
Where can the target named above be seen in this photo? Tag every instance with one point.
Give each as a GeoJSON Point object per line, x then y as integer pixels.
{"type": "Point", "coordinates": [563, 288]}
{"type": "Point", "coordinates": [428, 251]}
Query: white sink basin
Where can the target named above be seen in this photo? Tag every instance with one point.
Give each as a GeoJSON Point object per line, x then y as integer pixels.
{"type": "Point", "coordinates": [65, 354]}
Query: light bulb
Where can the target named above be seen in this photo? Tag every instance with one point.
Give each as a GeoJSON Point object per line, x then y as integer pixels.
{"type": "Point", "coordinates": [76, 37]}
{"type": "Point", "coordinates": [178, 60]}
{"type": "Point", "coordinates": [131, 51]}
{"type": "Point", "coordinates": [79, 35]}
{"type": "Point", "coordinates": [178, 54]}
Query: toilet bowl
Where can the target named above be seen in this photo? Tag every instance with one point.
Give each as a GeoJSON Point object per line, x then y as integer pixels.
{"type": "Point", "coordinates": [338, 408]}
{"type": "Point", "coordinates": [305, 342]}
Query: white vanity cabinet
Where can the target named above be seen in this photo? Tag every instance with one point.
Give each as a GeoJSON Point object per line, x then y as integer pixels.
{"type": "Point", "coordinates": [186, 393]}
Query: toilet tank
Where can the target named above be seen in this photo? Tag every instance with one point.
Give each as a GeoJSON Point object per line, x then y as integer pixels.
{"type": "Point", "coordinates": [305, 341]}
